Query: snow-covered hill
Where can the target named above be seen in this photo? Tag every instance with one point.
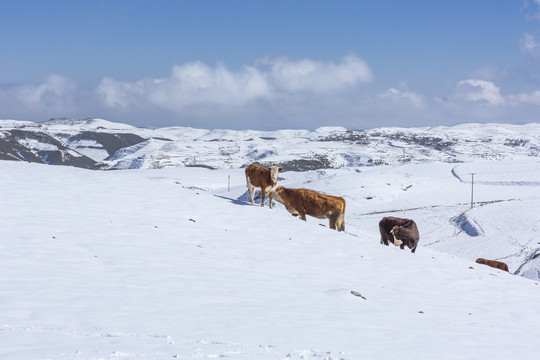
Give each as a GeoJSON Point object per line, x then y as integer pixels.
{"type": "Point", "coordinates": [104, 144]}
{"type": "Point", "coordinates": [171, 263]}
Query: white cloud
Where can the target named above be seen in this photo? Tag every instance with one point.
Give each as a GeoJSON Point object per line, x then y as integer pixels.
{"type": "Point", "coordinates": [532, 98]}
{"type": "Point", "coordinates": [198, 84]}
{"type": "Point", "coordinates": [490, 73]}
{"type": "Point", "coordinates": [116, 94]}
{"type": "Point", "coordinates": [527, 43]}
{"type": "Point", "coordinates": [189, 84]}
{"type": "Point", "coordinates": [535, 15]}
{"type": "Point", "coordinates": [394, 95]}
{"type": "Point", "coordinates": [53, 93]}
{"type": "Point", "coordinates": [273, 93]}
{"type": "Point", "coordinates": [487, 93]}
{"type": "Point", "coordinates": [316, 76]}
{"type": "Point", "coordinates": [475, 90]}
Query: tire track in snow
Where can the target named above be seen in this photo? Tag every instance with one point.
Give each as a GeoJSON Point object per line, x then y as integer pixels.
{"type": "Point", "coordinates": [495, 182]}
{"type": "Point", "coordinates": [104, 345]}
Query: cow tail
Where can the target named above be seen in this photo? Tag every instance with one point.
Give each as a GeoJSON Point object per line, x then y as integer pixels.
{"type": "Point", "coordinates": [341, 218]}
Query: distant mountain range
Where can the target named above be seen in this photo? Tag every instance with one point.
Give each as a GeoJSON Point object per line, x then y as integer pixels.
{"type": "Point", "coordinates": [101, 144]}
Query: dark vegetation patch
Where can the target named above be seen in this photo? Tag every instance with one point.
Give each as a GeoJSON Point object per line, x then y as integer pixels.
{"type": "Point", "coordinates": [377, 162]}
{"type": "Point", "coordinates": [349, 136]}
{"type": "Point", "coordinates": [515, 142]}
{"type": "Point", "coordinates": [202, 166]}
{"type": "Point", "coordinates": [315, 163]}
{"type": "Point", "coordinates": [433, 142]}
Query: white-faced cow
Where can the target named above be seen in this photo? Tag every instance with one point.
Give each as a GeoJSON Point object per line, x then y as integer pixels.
{"type": "Point", "coordinates": [263, 178]}
{"type": "Point", "coordinates": [302, 202]}
{"type": "Point", "coordinates": [400, 232]}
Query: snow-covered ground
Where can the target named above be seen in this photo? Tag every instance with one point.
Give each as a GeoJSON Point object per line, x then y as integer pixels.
{"type": "Point", "coordinates": [171, 263]}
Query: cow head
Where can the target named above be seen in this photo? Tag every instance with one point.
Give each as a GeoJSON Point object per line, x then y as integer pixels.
{"type": "Point", "coordinates": [396, 230]}
{"type": "Point", "coordinates": [277, 194]}
{"type": "Point", "coordinates": [274, 173]}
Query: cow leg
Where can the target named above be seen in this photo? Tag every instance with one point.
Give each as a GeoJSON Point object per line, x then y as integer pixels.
{"type": "Point", "coordinates": [251, 190]}
{"type": "Point", "coordinates": [270, 198]}
{"type": "Point", "coordinates": [302, 215]}
{"type": "Point", "coordinates": [340, 222]}
{"type": "Point", "coordinates": [332, 223]}
{"type": "Point", "coordinates": [263, 194]}
{"type": "Point", "coordinates": [406, 243]}
{"type": "Point", "coordinates": [247, 185]}
{"type": "Point", "coordinates": [384, 241]}
{"type": "Point", "coordinates": [291, 210]}
{"type": "Point", "coordinates": [412, 245]}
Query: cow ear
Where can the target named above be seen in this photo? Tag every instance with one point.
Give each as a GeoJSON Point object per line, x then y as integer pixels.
{"type": "Point", "coordinates": [280, 169]}
{"type": "Point", "coordinates": [408, 223]}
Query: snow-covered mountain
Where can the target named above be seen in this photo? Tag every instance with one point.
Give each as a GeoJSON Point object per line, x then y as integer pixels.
{"type": "Point", "coordinates": [101, 144]}
{"type": "Point", "coordinates": [79, 143]}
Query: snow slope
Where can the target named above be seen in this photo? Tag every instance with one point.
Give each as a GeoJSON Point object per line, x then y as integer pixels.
{"type": "Point", "coordinates": [168, 263]}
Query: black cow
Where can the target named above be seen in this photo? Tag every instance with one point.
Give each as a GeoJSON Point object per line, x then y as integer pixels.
{"type": "Point", "coordinates": [400, 232]}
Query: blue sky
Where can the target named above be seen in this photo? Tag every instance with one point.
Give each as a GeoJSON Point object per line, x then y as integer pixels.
{"type": "Point", "coordinates": [271, 64]}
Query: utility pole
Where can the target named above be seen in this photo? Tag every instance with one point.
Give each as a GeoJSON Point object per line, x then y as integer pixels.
{"type": "Point", "coordinates": [472, 189]}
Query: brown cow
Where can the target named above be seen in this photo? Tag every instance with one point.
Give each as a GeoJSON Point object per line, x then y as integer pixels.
{"type": "Point", "coordinates": [400, 232]}
{"type": "Point", "coordinates": [264, 178]}
{"type": "Point", "coordinates": [493, 263]}
{"type": "Point", "coordinates": [308, 202]}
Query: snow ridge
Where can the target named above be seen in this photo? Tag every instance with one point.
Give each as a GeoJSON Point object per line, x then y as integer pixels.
{"type": "Point", "coordinates": [301, 150]}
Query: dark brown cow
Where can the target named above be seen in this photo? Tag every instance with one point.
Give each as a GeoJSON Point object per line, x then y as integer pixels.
{"type": "Point", "coordinates": [400, 232]}
{"type": "Point", "coordinates": [493, 263]}
{"type": "Point", "coordinates": [264, 178]}
{"type": "Point", "coordinates": [308, 202]}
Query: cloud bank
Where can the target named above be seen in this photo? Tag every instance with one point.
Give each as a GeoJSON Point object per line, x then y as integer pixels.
{"type": "Point", "coordinates": [476, 90]}
{"type": "Point", "coordinates": [199, 84]}
{"type": "Point", "coordinates": [272, 93]}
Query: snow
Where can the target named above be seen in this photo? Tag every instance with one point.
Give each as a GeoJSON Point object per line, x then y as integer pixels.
{"type": "Point", "coordinates": [37, 145]}
{"type": "Point", "coordinates": [89, 148]}
{"type": "Point", "coordinates": [221, 148]}
{"type": "Point", "coordinates": [14, 124]}
{"type": "Point", "coordinates": [170, 263]}
{"type": "Point", "coordinates": [503, 173]}
{"type": "Point", "coordinates": [329, 147]}
{"type": "Point", "coordinates": [76, 125]}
